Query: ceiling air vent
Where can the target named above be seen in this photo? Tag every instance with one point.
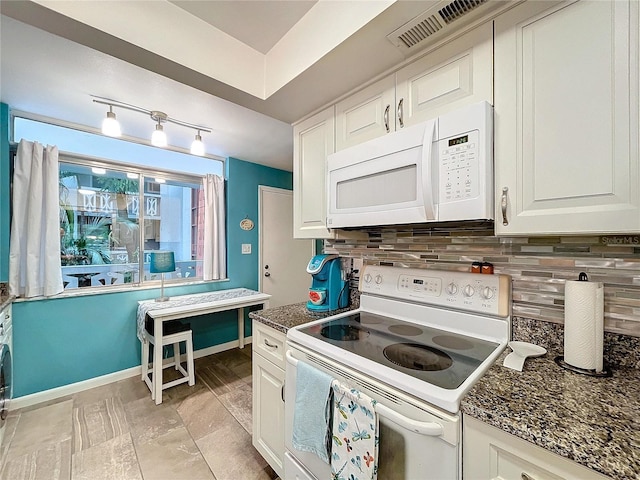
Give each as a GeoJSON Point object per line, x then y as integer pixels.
{"type": "Point", "coordinates": [436, 20]}
{"type": "Point", "coordinates": [458, 8]}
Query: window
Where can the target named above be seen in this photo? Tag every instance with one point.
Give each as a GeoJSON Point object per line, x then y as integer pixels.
{"type": "Point", "coordinates": [111, 219]}
{"type": "Point", "coordinates": [120, 200]}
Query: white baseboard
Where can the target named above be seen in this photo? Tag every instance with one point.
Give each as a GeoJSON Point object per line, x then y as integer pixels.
{"type": "Point", "coordinates": [53, 393]}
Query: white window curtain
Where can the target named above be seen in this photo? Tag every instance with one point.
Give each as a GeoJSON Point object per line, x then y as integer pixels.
{"type": "Point", "coordinates": [34, 250]}
{"type": "Point", "coordinates": [215, 250]}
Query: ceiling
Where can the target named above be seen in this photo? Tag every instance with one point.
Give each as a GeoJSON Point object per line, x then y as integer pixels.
{"type": "Point", "coordinates": [244, 69]}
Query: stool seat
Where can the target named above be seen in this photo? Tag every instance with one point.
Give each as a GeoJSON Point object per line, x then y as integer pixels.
{"type": "Point", "coordinates": [174, 333]}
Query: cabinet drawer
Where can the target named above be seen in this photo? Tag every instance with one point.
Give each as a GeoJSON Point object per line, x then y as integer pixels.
{"type": "Point", "coordinates": [269, 343]}
{"type": "Point", "coordinates": [492, 454]}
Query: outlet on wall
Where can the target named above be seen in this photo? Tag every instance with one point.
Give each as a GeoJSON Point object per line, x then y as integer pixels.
{"type": "Point", "coordinates": [246, 248]}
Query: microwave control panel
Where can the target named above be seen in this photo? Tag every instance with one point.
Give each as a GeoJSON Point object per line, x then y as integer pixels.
{"type": "Point", "coordinates": [459, 170]}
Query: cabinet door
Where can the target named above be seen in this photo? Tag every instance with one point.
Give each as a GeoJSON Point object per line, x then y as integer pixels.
{"type": "Point", "coordinates": [367, 114]}
{"type": "Point", "coordinates": [313, 140]}
{"type": "Point", "coordinates": [456, 74]}
{"type": "Point", "coordinates": [268, 412]}
{"type": "Point", "coordinates": [566, 118]}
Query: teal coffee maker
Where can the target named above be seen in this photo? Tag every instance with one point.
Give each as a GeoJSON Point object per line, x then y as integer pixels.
{"type": "Point", "coordinates": [329, 289]}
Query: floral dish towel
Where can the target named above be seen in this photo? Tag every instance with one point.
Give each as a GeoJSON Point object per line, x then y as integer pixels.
{"type": "Point", "coordinates": [354, 447]}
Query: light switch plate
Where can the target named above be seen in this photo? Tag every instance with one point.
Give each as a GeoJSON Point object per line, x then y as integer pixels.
{"type": "Point", "coordinates": [246, 248]}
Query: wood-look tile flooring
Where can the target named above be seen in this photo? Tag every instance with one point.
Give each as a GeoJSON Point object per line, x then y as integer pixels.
{"type": "Point", "coordinates": [117, 432]}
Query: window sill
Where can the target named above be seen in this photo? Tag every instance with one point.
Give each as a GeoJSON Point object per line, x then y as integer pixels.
{"type": "Point", "coordinates": [119, 289]}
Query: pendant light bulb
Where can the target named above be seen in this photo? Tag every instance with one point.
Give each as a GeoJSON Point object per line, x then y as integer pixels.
{"type": "Point", "coordinates": [111, 126]}
{"type": "Point", "coordinates": [197, 147]}
{"type": "Point", "coordinates": [159, 138]}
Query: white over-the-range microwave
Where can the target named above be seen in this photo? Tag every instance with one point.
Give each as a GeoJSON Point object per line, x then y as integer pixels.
{"type": "Point", "coordinates": [436, 171]}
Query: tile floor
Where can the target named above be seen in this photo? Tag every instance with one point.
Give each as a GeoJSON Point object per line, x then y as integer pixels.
{"type": "Point", "coordinates": [117, 432]}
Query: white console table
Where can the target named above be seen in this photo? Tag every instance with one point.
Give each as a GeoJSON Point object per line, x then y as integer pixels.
{"type": "Point", "coordinates": [184, 306]}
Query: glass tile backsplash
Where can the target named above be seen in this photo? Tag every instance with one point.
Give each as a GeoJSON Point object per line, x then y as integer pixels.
{"type": "Point", "coordinates": [539, 266]}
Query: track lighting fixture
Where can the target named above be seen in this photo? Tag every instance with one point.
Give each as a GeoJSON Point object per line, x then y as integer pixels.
{"type": "Point", "coordinates": [111, 127]}
{"type": "Point", "coordinates": [197, 147]}
{"type": "Point", "coordinates": [158, 137]}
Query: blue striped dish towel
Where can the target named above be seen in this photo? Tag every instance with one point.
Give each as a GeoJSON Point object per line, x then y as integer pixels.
{"type": "Point", "coordinates": [312, 411]}
{"type": "Point", "coordinates": [354, 451]}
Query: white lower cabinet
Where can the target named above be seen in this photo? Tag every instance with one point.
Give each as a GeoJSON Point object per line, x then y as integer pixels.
{"type": "Point", "coordinates": [268, 395]}
{"type": "Point", "coordinates": [566, 118]}
{"type": "Point", "coordinates": [489, 453]}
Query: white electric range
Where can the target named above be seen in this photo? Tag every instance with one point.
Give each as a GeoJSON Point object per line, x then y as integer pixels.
{"type": "Point", "coordinates": [419, 341]}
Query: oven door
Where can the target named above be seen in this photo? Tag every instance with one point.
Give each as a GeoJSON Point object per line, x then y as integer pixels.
{"type": "Point", "coordinates": [5, 382]}
{"type": "Point", "coordinates": [416, 439]}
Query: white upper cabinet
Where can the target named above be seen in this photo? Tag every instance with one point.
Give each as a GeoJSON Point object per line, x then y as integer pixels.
{"type": "Point", "coordinates": [367, 114]}
{"type": "Point", "coordinates": [313, 140]}
{"type": "Point", "coordinates": [456, 74]}
{"type": "Point", "coordinates": [566, 118]}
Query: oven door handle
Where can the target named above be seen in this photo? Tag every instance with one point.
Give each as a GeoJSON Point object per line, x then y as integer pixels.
{"type": "Point", "coordinates": [431, 429]}
{"type": "Point", "coordinates": [291, 359]}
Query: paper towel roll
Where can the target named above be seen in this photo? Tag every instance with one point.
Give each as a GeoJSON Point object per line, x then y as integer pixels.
{"type": "Point", "coordinates": [584, 324]}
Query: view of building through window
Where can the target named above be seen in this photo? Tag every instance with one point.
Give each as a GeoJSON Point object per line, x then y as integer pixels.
{"type": "Point", "coordinates": [110, 220]}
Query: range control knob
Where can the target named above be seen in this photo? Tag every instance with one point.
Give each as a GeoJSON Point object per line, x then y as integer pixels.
{"type": "Point", "coordinates": [468, 291]}
{"type": "Point", "coordinates": [378, 279]}
{"type": "Point", "coordinates": [487, 293]}
{"type": "Point", "coordinates": [367, 278]}
{"type": "Point", "coordinates": [452, 288]}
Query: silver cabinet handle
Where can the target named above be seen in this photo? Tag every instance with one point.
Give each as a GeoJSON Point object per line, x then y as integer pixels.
{"type": "Point", "coordinates": [503, 206]}
{"type": "Point", "coordinates": [386, 118]}
{"type": "Point", "coordinates": [270, 345]}
{"type": "Point", "coordinates": [524, 476]}
{"type": "Point", "coordinates": [282, 392]}
{"type": "Point", "coordinates": [267, 274]}
{"type": "Point", "coordinates": [401, 112]}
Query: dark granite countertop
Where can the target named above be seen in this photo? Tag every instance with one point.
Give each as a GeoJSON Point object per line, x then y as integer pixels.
{"type": "Point", "coordinates": [592, 421]}
{"type": "Point", "coordinates": [5, 300]}
{"type": "Point", "coordinates": [289, 316]}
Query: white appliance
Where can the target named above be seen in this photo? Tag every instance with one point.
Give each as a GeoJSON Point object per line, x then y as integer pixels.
{"type": "Point", "coordinates": [419, 341]}
{"type": "Point", "coordinates": [436, 171]}
{"type": "Point", "coordinates": [6, 344]}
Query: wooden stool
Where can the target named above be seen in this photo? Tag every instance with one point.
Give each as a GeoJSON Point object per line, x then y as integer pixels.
{"type": "Point", "coordinates": [174, 333]}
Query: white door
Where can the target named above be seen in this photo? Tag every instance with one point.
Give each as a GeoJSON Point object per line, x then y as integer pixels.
{"type": "Point", "coordinates": [283, 259]}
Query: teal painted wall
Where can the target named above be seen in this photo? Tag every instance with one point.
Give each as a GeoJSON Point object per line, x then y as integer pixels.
{"type": "Point", "coordinates": [66, 340]}
{"type": "Point", "coordinates": [4, 192]}
{"type": "Point", "coordinates": [243, 181]}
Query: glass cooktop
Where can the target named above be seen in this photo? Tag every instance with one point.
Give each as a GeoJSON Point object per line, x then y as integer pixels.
{"type": "Point", "coordinates": [436, 356]}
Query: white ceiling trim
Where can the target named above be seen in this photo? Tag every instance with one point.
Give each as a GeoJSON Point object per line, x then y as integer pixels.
{"type": "Point", "coordinates": [163, 28]}
{"type": "Point", "coordinates": [169, 31]}
{"type": "Point", "coordinates": [325, 26]}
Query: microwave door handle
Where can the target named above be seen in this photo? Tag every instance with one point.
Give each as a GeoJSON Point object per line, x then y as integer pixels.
{"type": "Point", "coordinates": [430, 429]}
{"type": "Point", "coordinates": [427, 169]}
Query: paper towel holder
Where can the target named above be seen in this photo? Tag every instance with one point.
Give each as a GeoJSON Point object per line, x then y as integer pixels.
{"type": "Point", "coordinates": [606, 371]}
